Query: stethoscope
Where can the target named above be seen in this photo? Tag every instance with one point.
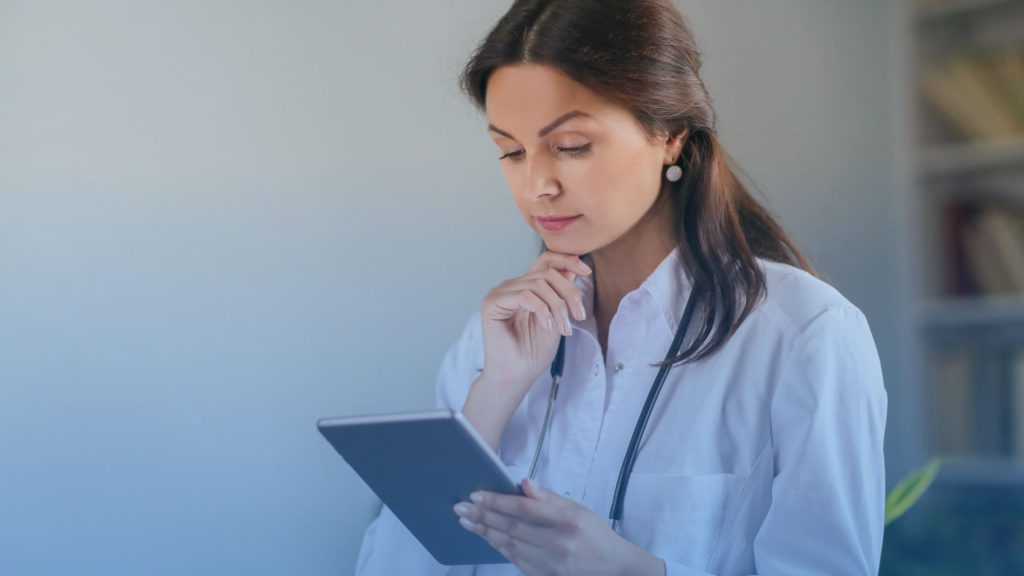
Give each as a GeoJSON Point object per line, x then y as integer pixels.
{"type": "Point", "coordinates": [615, 514]}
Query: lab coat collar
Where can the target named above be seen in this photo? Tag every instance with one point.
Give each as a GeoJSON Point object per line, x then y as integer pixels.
{"type": "Point", "coordinates": [667, 287]}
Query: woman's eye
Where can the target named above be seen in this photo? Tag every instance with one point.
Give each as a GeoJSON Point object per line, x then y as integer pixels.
{"type": "Point", "coordinates": [574, 152]}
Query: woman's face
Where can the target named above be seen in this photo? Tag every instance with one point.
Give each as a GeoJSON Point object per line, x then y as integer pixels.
{"type": "Point", "coordinates": [566, 152]}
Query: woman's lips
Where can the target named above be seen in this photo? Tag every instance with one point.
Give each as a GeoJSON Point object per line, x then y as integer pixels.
{"type": "Point", "coordinates": [550, 223]}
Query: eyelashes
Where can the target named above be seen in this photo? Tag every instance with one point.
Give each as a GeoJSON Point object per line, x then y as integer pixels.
{"type": "Point", "coordinates": [574, 152]}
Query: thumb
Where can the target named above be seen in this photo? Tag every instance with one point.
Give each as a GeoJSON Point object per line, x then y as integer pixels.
{"type": "Point", "coordinates": [536, 491]}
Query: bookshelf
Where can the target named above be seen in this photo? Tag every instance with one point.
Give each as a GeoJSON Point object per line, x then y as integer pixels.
{"type": "Point", "coordinates": [965, 89]}
{"type": "Point", "coordinates": [967, 97]}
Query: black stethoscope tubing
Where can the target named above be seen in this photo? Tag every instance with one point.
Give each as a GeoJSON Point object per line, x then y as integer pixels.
{"type": "Point", "coordinates": [615, 514]}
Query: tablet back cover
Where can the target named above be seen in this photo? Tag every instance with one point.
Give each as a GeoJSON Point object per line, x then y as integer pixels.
{"type": "Point", "coordinates": [420, 464]}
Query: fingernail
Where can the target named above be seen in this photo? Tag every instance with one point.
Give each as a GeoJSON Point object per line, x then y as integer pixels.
{"type": "Point", "coordinates": [568, 326]}
{"type": "Point", "coordinates": [461, 509]}
{"type": "Point", "coordinates": [467, 523]}
{"type": "Point", "coordinates": [582, 310]}
{"type": "Point", "coordinates": [585, 268]}
{"type": "Point", "coordinates": [476, 497]}
{"type": "Point", "coordinates": [550, 323]}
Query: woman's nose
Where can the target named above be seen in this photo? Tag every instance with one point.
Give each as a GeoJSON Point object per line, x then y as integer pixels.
{"type": "Point", "coordinates": [541, 180]}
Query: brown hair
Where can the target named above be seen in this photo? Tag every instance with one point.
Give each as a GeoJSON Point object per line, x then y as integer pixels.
{"type": "Point", "coordinates": [641, 54]}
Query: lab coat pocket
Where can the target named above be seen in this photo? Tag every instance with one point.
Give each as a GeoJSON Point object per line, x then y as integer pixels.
{"type": "Point", "coordinates": [678, 516]}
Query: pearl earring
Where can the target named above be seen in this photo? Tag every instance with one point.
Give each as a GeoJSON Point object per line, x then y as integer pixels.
{"type": "Point", "coordinates": [674, 173]}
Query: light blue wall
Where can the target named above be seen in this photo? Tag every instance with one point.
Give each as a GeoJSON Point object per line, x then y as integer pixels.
{"type": "Point", "coordinates": [222, 220]}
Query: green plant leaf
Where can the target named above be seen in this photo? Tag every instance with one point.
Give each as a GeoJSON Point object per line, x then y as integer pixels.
{"type": "Point", "coordinates": [907, 492]}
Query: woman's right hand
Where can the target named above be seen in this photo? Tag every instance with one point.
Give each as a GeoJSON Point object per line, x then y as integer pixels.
{"type": "Point", "coordinates": [524, 317]}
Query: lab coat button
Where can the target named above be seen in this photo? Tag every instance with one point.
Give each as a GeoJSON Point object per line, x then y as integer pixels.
{"type": "Point", "coordinates": [619, 367]}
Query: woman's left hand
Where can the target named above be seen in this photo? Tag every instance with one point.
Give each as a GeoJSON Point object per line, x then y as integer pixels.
{"type": "Point", "coordinates": [546, 534]}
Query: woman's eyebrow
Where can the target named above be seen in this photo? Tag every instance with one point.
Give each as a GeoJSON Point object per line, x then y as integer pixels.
{"type": "Point", "coordinates": [547, 129]}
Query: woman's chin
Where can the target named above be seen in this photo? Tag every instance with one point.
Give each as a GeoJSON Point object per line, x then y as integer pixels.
{"type": "Point", "coordinates": [564, 245]}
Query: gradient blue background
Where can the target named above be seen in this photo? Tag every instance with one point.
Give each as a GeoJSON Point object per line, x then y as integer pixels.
{"type": "Point", "coordinates": [222, 220]}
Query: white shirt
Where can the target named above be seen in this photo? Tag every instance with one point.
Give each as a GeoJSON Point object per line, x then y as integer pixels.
{"type": "Point", "coordinates": [764, 458]}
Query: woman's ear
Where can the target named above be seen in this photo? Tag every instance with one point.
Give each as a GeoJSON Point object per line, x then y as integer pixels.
{"type": "Point", "coordinates": [674, 146]}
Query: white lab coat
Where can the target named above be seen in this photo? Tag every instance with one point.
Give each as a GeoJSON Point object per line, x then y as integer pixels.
{"type": "Point", "coordinates": [765, 458]}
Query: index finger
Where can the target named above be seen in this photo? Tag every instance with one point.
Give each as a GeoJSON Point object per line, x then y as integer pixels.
{"type": "Point", "coordinates": [570, 265]}
{"type": "Point", "coordinates": [532, 510]}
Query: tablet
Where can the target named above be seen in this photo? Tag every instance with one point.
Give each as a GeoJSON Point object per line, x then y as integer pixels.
{"type": "Point", "coordinates": [420, 464]}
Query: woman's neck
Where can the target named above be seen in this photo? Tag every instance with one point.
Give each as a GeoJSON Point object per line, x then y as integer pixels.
{"type": "Point", "coordinates": [623, 265]}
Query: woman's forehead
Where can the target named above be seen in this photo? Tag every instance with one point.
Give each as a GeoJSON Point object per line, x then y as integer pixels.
{"type": "Point", "coordinates": [524, 99]}
{"type": "Point", "coordinates": [531, 95]}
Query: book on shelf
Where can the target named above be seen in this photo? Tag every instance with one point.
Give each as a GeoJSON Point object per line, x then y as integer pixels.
{"type": "Point", "coordinates": [979, 94]}
{"type": "Point", "coordinates": [984, 247]}
{"type": "Point", "coordinates": [977, 401]}
{"type": "Point", "coordinates": [952, 410]}
{"type": "Point", "coordinates": [1017, 392]}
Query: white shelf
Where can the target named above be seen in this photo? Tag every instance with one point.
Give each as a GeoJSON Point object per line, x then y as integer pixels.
{"type": "Point", "coordinates": [966, 159]}
{"type": "Point", "coordinates": [981, 472]}
{"type": "Point", "coordinates": [974, 311]}
{"type": "Point", "coordinates": [933, 10]}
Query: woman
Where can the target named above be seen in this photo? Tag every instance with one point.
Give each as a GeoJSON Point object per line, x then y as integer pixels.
{"type": "Point", "coordinates": [763, 452]}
